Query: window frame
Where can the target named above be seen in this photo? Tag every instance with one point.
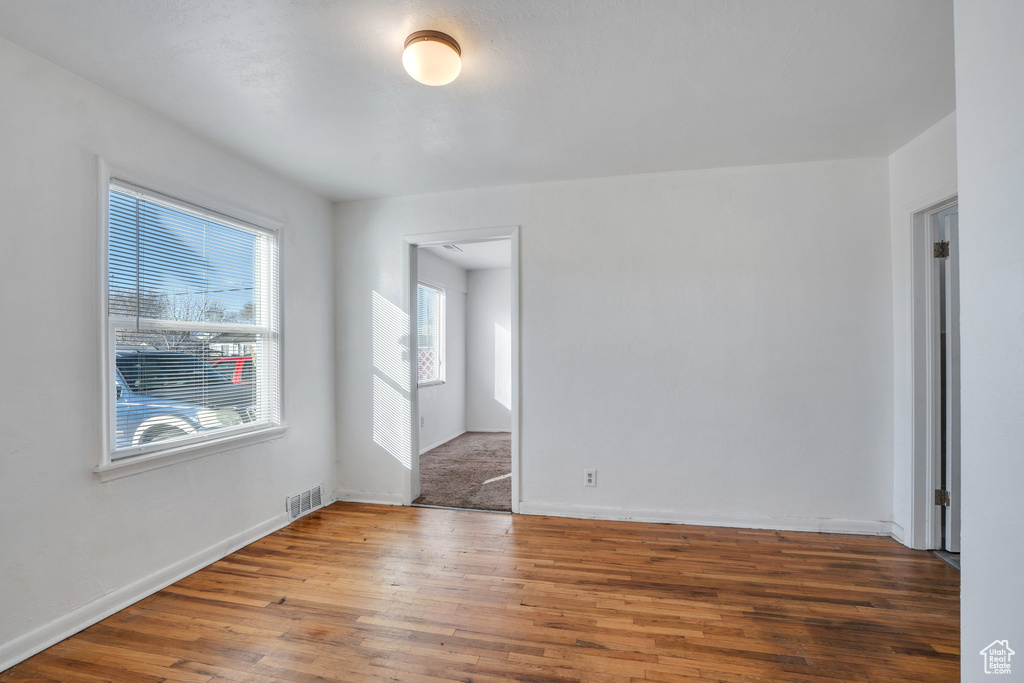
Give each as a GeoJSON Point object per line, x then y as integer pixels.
{"type": "Point", "coordinates": [441, 334]}
{"type": "Point", "coordinates": [152, 456]}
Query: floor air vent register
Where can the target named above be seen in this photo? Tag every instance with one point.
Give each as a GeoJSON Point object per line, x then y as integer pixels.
{"type": "Point", "coordinates": [305, 502]}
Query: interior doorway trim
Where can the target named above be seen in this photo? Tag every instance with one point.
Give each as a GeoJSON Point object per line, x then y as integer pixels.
{"type": "Point", "coordinates": [412, 243]}
{"type": "Point", "coordinates": [925, 514]}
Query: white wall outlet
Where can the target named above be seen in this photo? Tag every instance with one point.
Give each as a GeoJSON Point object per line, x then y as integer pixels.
{"type": "Point", "coordinates": [590, 477]}
{"type": "Point", "coordinates": [423, 422]}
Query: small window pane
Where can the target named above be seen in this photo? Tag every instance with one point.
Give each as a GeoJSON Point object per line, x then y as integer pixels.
{"type": "Point", "coordinates": [430, 334]}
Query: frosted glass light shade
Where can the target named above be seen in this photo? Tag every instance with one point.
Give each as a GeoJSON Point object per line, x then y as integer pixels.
{"type": "Point", "coordinates": [432, 57]}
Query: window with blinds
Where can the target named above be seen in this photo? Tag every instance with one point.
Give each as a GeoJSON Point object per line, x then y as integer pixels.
{"type": "Point", "coordinates": [430, 334]}
{"type": "Point", "coordinates": [193, 338]}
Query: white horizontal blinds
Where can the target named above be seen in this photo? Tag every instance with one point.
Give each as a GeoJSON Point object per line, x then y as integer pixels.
{"type": "Point", "coordinates": [192, 296]}
{"type": "Point", "coordinates": [430, 334]}
{"type": "Point", "coordinates": [175, 265]}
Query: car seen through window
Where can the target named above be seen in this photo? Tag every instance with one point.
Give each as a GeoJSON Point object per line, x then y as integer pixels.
{"type": "Point", "coordinates": [166, 395]}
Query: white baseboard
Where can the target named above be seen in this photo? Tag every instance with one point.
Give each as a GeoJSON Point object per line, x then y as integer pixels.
{"type": "Point", "coordinates": [898, 533]}
{"type": "Point", "coordinates": [442, 442]}
{"type": "Point", "coordinates": [821, 525]}
{"type": "Point", "coordinates": [374, 497]}
{"type": "Point", "coordinates": [39, 639]}
{"type": "Point", "coordinates": [490, 431]}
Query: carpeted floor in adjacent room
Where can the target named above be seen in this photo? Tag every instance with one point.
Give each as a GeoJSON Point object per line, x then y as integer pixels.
{"type": "Point", "coordinates": [470, 471]}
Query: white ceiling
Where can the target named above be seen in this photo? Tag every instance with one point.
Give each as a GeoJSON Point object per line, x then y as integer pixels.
{"type": "Point", "coordinates": [550, 89]}
{"type": "Point", "coordinates": [477, 255]}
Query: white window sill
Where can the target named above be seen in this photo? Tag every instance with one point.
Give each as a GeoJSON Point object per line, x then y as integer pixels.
{"type": "Point", "coordinates": [172, 456]}
{"type": "Point", "coordinates": [435, 383]}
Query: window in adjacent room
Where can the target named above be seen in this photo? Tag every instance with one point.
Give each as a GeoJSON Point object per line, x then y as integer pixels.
{"type": "Point", "coordinates": [430, 335]}
{"type": "Point", "coordinates": [193, 339]}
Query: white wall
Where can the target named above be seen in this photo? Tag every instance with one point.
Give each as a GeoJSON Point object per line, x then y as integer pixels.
{"type": "Point", "coordinates": [489, 350]}
{"type": "Point", "coordinates": [73, 548]}
{"type": "Point", "coordinates": [990, 102]}
{"type": "Point", "coordinates": [921, 174]}
{"type": "Point", "coordinates": [718, 344]}
{"type": "Point", "coordinates": [443, 406]}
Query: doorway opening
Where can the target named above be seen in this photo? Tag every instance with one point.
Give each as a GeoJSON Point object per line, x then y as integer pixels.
{"type": "Point", "coordinates": [464, 323]}
{"type": "Point", "coordinates": [937, 376]}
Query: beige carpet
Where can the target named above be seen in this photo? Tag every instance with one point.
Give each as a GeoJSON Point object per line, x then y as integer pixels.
{"type": "Point", "coordinates": [468, 472]}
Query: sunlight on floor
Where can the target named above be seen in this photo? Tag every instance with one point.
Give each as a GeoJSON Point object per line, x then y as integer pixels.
{"type": "Point", "coordinates": [494, 479]}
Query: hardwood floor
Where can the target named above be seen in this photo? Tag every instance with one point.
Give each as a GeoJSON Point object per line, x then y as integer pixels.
{"type": "Point", "coordinates": [363, 592]}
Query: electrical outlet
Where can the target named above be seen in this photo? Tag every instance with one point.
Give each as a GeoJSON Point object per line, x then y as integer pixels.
{"type": "Point", "coordinates": [590, 477]}
{"type": "Point", "coordinates": [423, 422]}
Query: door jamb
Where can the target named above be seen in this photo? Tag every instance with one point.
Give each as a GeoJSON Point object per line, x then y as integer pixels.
{"type": "Point", "coordinates": [412, 243]}
{"type": "Point", "coordinates": [925, 527]}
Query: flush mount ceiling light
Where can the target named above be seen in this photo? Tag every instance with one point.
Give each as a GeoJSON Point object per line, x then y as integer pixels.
{"type": "Point", "coordinates": [432, 57]}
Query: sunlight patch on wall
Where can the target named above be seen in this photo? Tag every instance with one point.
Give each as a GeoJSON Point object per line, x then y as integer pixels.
{"type": "Point", "coordinates": [391, 421]}
{"type": "Point", "coordinates": [390, 341]}
{"type": "Point", "coordinates": [391, 396]}
{"type": "Point", "coordinates": [502, 366]}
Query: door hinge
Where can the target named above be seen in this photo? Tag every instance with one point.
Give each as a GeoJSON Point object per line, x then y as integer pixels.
{"type": "Point", "coordinates": [942, 498]}
{"type": "Point", "coordinates": [940, 249]}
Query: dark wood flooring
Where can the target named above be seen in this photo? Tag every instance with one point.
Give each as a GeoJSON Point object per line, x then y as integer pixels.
{"type": "Point", "coordinates": [363, 592]}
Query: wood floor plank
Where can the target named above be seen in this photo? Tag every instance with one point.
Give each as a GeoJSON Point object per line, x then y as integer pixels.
{"type": "Point", "coordinates": [359, 592]}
